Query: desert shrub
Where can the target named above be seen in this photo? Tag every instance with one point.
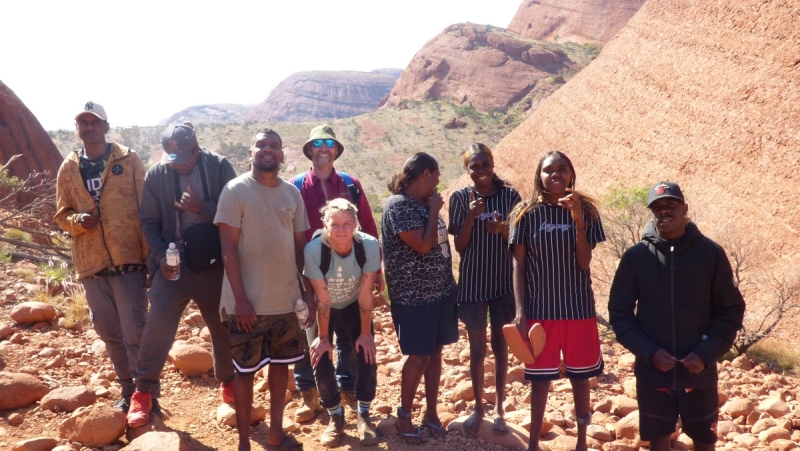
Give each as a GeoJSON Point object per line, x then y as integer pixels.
{"type": "Point", "coordinates": [5, 254]}
{"type": "Point", "coordinates": [18, 235]}
{"type": "Point", "coordinates": [54, 273]}
{"type": "Point", "coordinates": [776, 355]}
{"type": "Point", "coordinates": [28, 275]}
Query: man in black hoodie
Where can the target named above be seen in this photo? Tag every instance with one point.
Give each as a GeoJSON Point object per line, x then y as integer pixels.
{"type": "Point", "coordinates": [673, 304]}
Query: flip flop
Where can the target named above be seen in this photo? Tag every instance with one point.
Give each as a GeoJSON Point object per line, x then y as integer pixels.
{"type": "Point", "coordinates": [436, 431]}
{"type": "Point", "coordinates": [412, 438]}
{"type": "Point", "coordinates": [518, 345]}
{"type": "Point", "coordinates": [288, 443]}
{"type": "Point", "coordinates": [538, 338]}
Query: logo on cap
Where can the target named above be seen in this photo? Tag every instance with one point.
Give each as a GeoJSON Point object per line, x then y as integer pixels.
{"type": "Point", "coordinates": [660, 189]}
{"type": "Point", "coordinates": [89, 106]}
{"type": "Point", "coordinates": [173, 145]}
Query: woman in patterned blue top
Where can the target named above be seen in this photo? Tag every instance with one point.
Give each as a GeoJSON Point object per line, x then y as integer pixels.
{"type": "Point", "coordinates": [421, 286]}
{"type": "Point", "coordinates": [477, 215]}
{"type": "Point", "coordinates": [552, 237]}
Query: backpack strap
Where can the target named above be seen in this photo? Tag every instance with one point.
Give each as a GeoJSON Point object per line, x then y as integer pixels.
{"type": "Point", "coordinates": [298, 181]}
{"type": "Point", "coordinates": [352, 188]}
{"type": "Point", "coordinates": [325, 256]}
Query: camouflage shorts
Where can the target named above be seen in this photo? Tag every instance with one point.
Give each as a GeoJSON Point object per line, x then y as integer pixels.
{"type": "Point", "coordinates": [274, 339]}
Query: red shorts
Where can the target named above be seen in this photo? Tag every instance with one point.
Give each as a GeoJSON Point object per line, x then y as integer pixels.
{"type": "Point", "coordinates": [577, 340]}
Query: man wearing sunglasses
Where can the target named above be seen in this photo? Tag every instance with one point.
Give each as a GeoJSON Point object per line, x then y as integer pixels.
{"type": "Point", "coordinates": [318, 185]}
{"type": "Point", "coordinates": [673, 304]}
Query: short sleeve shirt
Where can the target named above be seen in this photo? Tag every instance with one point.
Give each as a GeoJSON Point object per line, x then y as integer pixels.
{"type": "Point", "coordinates": [344, 274]}
{"type": "Point", "coordinates": [412, 278]}
{"type": "Point", "coordinates": [268, 218]}
{"type": "Point", "coordinates": [555, 287]}
{"type": "Point", "coordinates": [486, 264]}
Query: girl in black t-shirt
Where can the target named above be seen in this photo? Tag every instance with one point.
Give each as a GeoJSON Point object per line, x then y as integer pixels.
{"type": "Point", "coordinates": [477, 215]}
{"type": "Point", "coordinates": [552, 237]}
{"type": "Point", "coordinates": [419, 277]}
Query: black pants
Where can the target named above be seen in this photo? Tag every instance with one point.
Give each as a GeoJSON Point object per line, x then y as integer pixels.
{"type": "Point", "coordinates": [345, 322]}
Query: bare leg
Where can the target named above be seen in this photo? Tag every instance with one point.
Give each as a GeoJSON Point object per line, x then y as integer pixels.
{"type": "Point", "coordinates": [539, 390]}
{"type": "Point", "coordinates": [243, 400]}
{"type": "Point", "coordinates": [477, 354]}
{"type": "Point", "coordinates": [662, 444]}
{"type": "Point", "coordinates": [412, 374]}
{"type": "Point", "coordinates": [580, 393]}
{"type": "Point", "coordinates": [500, 350]}
{"type": "Point", "coordinates": [433, 374]}
{"type": "Point", "coordinates": [277, 377]}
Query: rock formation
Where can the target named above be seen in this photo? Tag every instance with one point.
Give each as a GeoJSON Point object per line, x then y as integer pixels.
{"type": "Point", "coordinates": [318, 95]}
{"type": "Point", "coordinates": [479, 65]}
{"type": "Point", "coordinates": [702, 93]}
{"type": "Point", "coordinates": [22, 134]}
{"type": "Point", "coordinates": [221, 113]}
{"type": "Point", "coordinates": [573, 20]}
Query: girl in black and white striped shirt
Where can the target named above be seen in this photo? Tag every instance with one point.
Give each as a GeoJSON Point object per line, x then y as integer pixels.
{"type": "Point", "coordinates": [478, 220]}
{"type": "Point", "coordinates": [552, 237]}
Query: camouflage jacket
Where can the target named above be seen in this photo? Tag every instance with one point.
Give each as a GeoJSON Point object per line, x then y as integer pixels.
{"type": "Point", "coordinates": [119, 241]}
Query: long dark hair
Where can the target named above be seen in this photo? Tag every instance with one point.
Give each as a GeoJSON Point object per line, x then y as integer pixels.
{"type": "Point", "coordinates": [540, 194]}
{"type": "Point", "coordinates": [477, 148]}
{"type": "Point", "coordinates": [412, 169]}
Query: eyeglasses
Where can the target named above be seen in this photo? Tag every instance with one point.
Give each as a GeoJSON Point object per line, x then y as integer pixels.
{"type": "Point", "coordinates": [329, 143]}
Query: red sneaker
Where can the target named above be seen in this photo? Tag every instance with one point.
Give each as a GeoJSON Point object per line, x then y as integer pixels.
{"type": "Point", "coordinates": [227, 392]}
{"type": "Point", "coordinates": [139, 412]}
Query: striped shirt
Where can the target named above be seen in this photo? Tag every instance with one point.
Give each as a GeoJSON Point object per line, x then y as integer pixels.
{"type": "Point", "coordinates": [485, 269]}
{"type": "Point", "coordinates": [555, 288]}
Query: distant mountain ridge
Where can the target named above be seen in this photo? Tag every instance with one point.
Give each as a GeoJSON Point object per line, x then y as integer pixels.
{"type": "Point", "coordinates": [219, 113]}
{"type": "Point", "coordinates": [317, 95]}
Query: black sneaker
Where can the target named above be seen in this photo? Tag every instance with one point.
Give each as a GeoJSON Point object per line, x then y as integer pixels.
{"type": "Point", "coordinates": [123, 404]}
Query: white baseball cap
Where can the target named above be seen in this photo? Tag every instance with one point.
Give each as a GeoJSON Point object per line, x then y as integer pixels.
{"type": "Point", "coordinates": [93, 108]}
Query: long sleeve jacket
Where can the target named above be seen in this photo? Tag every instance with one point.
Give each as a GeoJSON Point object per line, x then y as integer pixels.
{"type": "Point", "coordinates": [157, 212]}
{"type": "Point", "coordinates": [677, 295]}
{"type": "Point", "coordinates": [119, 239]}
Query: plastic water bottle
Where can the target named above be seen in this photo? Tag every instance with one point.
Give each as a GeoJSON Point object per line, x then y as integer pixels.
{"type": "Point", "coordinates": [301, 310]}
{"type": "Point", "coordinates": [174, 260]}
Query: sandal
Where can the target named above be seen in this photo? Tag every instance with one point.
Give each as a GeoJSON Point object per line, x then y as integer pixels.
{"type": "Point", "coordinates": [538, 339]}
{"type": "Point", "coordinates": [412, 438]}
{"type": "Point", "coordinates": [288, 443]}
{"type": "Point", "coordinates": [436, 431]}
{"type": "Point", "coordinates": [518, 346]}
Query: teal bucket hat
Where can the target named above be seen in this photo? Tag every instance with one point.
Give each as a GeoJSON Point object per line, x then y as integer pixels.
{"type": "Point", "coordinates": [322, 132]}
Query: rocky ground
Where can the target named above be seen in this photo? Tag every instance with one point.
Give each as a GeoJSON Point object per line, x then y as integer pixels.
{"type": "Point", "coordinates": [56, 385]}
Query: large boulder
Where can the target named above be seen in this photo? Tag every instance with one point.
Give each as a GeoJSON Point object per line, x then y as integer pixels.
{"type": "Point", "coordinates": [20, 390]}
{"type": "Point", "coordinates": [628, 427]}
{"type": "Point", "coordinates": [227, 416]}
{"type": "Point", "coordinates": [317, 95]}
{"type": "Point", "coordinates": [67, 399]}
{"type": "Point", "coordinates": [22, 134]}
{"type": "Point", "coordinates": [158, 440]}
{"type": "Point", "coordinates": [33, 312]}
{"type": "Point", "coordinates": [36, 444]}
{"type": "Point", "coordinates": [94, 426]}
{"type": "Point", "coordinates": [190, 359]}
{"type": "Point", "coordinates": [573, 20]}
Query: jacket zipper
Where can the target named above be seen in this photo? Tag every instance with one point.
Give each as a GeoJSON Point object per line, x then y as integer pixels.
{"type": "Point", "coordinates": [99, 213]}
{"type": "Point", "coordinates": [672, 302]}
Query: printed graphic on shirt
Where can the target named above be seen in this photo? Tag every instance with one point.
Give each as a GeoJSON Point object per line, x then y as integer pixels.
{"type": "Point", "coordinates": [414, 278]}
{"type": "Point", "coordinates": [555, 287]}
{"type": "Point", "coordinates": [92, 173]}
{"type": "Point", "coordinates": [486, 263]}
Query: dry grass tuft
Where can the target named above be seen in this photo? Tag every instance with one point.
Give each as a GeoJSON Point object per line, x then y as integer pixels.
{"type": "Point", "coordinates": [776, 355]}
{"type": "Point", "coordinates": [28, 275]}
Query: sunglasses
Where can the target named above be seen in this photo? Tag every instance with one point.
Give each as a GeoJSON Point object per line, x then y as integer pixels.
{"type": "Point", "coordinates": [329, 143]}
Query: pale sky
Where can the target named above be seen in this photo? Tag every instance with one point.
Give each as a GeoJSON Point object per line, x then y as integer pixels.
{"type": "Point", "coordinates": [145, 60]}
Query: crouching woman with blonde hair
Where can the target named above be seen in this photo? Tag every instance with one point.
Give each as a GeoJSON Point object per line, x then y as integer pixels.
{"type": "Point", "coordinates": [341, 264]}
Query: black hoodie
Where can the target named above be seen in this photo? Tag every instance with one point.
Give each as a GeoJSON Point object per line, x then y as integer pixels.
{"type": "Point", "coordinates": [677, 295]}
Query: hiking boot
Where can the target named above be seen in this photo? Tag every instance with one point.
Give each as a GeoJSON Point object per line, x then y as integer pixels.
{"type": "Point", "coordinates": [349, 400]}
{"type": "Point", "coordinates": [123, 404]}
{"type": "Point", "coordinates": [367, 435]}
{"type": "Point", "coordinates": [333, 433]}
{"type": "Point", "coordinates": [139, 412]}
{"type": "Point", "coordinates": [310, 406]}
{"type": "Point", "coordinates": [227, 392]}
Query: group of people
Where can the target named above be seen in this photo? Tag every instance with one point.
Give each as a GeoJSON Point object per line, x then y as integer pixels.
{"type": "Point", "coordinates": [672, 303]}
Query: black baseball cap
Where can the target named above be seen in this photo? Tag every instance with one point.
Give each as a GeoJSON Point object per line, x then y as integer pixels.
{"type": "Point", "coordinates": [664, 189]}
